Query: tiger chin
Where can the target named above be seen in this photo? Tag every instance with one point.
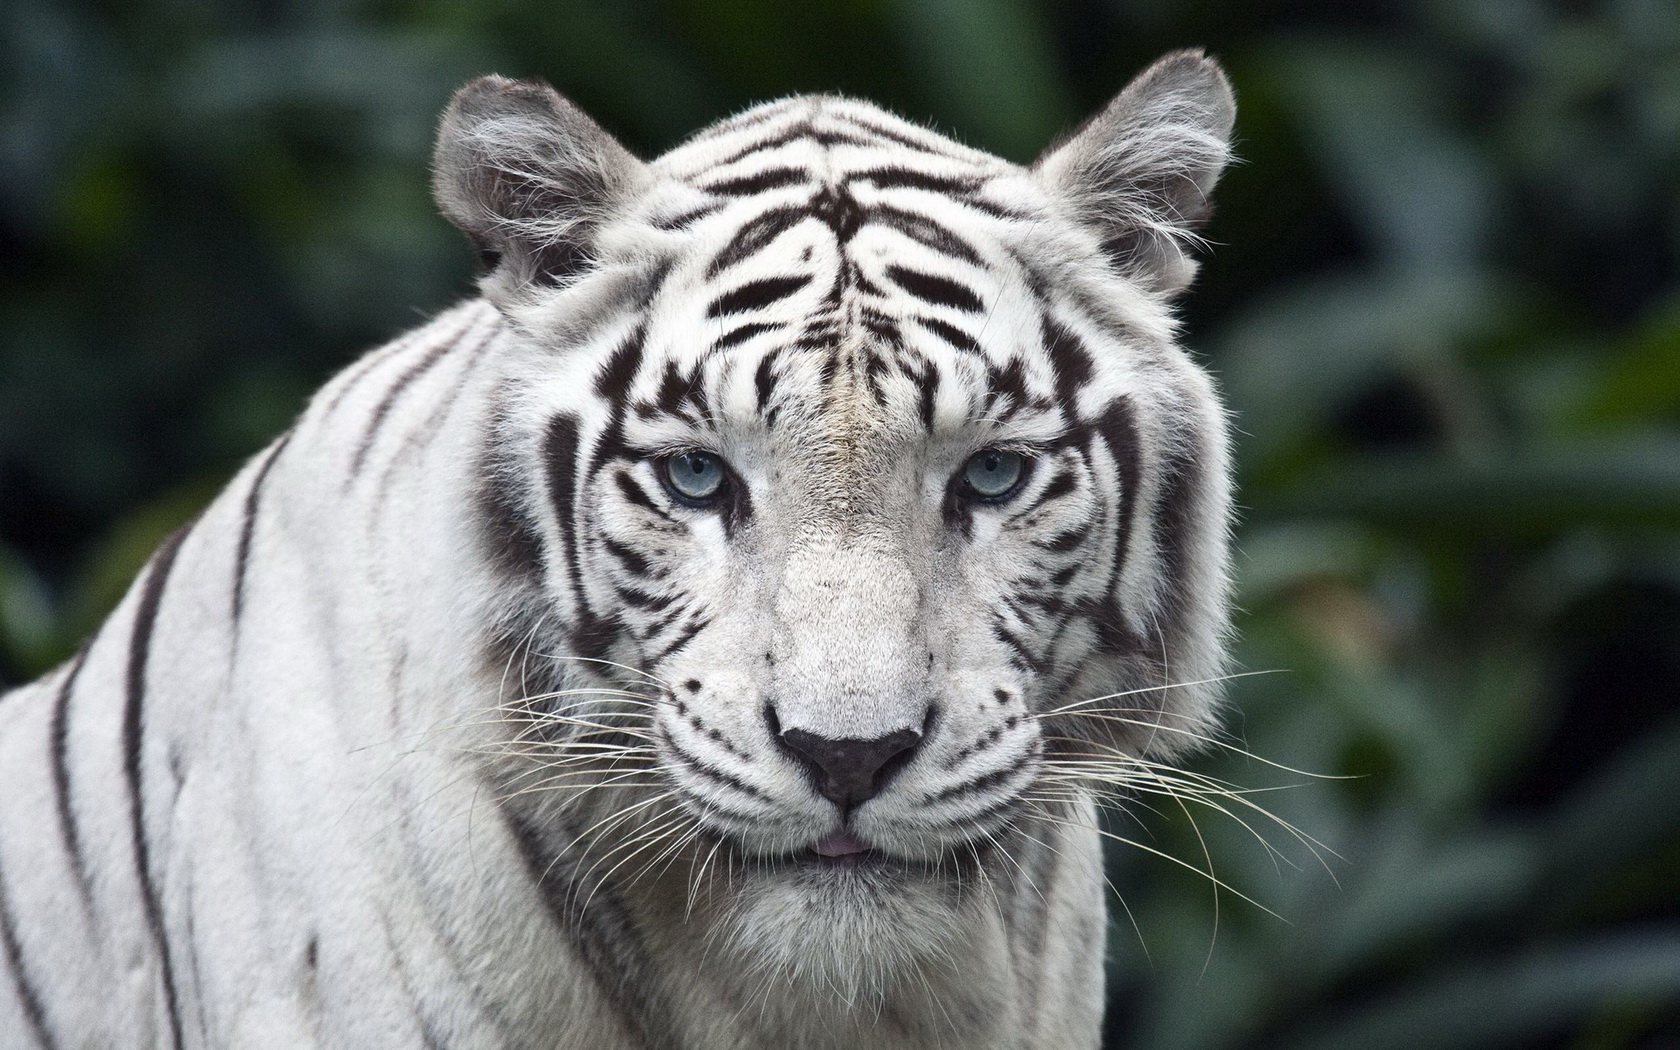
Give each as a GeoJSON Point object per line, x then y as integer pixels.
{"type": "Point", "coordinates": [715, 635]}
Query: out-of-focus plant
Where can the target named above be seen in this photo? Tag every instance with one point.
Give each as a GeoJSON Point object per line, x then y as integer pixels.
{"type": "Point", "coordinates": [1442, 301]}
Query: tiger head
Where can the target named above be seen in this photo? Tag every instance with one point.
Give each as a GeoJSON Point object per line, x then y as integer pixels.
{"type": "Point", "coordinates": [865, 461]}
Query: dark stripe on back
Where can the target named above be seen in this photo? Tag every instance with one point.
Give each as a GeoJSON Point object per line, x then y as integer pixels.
{"type": "Point", "coordinates": [69, 829]}
{"type": "Point", "coordinates": [33, 1014]}
{"type": "Point", "coordinates": [941, 291]}
{"type": "Point", "coordinates": [755, 235]}
{"type": "Point", "coordinates": [247, 527]}
{"type": "Point", "coordinates": [133, 727]}
{"type": "Point", "coordinates": [426, 363]}
{"type": "Point", "coordinates": [755, 294]}
{"type": "Point", "coordinates": [367, 364]}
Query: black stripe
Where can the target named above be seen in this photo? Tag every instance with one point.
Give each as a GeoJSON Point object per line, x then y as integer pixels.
{"type": "Point", "coordinates": [679, 390]}
{"type": "Point", "coordinates": [792, 135]}
{"type": "Point", "coordinates": [392, 392]}
{"type": "Point", "coordinates": [683, 220]}
{"type": "Point", "coordinates": [758, 182]}
{"type": "Point", "coordinates": [932, 149]}
{"type": "Point", "coordinates": [510, 536]}
{"type": "Point", "coordinates": [560, 458]}
{"type": "Point", "coordinates": [743, 333]}
{"type": "Point", "coordinates": [1175, 519]}
{"type": "Point", "coordinates": [940, 291]}
{"type": "Point", "coordinates": [373, 359]}
{"type": "Point", "coordinates": [706, 771]}
{"type": "Point", "coordinates": [893, 177]}
{"type": "Point", "coordinates": [1006, 383]}
{"type": "Point", "coordinates": [1063, 542]}
{"type": "Point", "coordinates": [634, 563]}
{"type": "Point", "coordinates": [755, 294]}
{"type": "Point", "coordinates": [644, 599]}
{"type": "Point", "coordinates": [927, 393]}
{"type": "Point", "coordinates": [635, 495]}
{"type": "Point", "coordinates": [1057, 487]}
{"type": "Point", "coordinates": [1070, 362]}
{"type": "Point", "coordinates": [951, 334]}
{"type": "Point", "coordinates": [755, 236]}
{"type": "Point", "coordinates": [883, 328]}
{"type": "Point", "coordinates": [764, 379]}
{"type": "Point", "coordinates": [619, 373]}
{"type": "Point", "coordinates": [33, 1013]}
{"type": "Point", "coordinates": [837, 209]}
{"type": "Point", "coordinates": [247, 527]}
{"type": "Point", "coordinates": [683, 637]}
{"type": "Point", "coordinates": [1118, 428]}
{"type": "Point", "coordinates": [1024, 657]}
{"type": "Point", "coordinates": [133, 726]}
{"type": "Point", "coordinates": [960, 189]}
{"type": "Point", "coordinates": [924, 231]}
{"type": "Point", "coordinates": [69, 829]}
{"type": "Point", "coordinates": [976, 785]}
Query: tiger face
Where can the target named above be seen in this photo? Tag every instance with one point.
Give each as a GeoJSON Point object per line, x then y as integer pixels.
{"type": "Point", "coordinates": [889, 478]}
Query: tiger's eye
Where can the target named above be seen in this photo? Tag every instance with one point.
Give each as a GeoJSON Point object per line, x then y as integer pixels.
{"type": "Point", "coordinates": [694, 476]}
{"type": "Point", "coordinates": [993, 473]}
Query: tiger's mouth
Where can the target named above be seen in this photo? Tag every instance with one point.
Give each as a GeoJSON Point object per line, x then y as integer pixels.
{"type": "Point", "coordinates": [844, 853]}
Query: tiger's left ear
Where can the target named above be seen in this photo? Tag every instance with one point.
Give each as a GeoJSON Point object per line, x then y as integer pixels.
{"type": "Point", "coordinates": [1142, 171]}
{"type": "Point", "coordinates": [530, 178]}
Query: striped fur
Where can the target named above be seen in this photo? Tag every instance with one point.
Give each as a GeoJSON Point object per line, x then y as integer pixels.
{"type": "Point", "coordinates": [450, 724]}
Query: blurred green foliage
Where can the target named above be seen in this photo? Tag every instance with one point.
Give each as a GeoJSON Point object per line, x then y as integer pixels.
{"type": "Point", "coordinates": [1442, 301]}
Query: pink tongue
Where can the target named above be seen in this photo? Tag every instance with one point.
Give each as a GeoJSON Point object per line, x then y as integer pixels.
{"type": "Point", "coordinates": [840, 844]}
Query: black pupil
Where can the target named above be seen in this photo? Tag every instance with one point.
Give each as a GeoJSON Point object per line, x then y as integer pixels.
{"type": "Point", "coordinates": [695, 463]}
{"type": "Point", "coordinates": [993, 462]}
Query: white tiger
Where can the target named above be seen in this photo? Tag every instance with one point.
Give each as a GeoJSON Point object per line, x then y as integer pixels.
{"type": "Point", "coordinates": [708, 638]}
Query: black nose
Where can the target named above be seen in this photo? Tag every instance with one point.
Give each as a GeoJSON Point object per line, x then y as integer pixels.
{"type": "Point", "coordinates": [851, 771]}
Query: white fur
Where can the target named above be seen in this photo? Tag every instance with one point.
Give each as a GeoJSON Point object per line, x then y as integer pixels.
{"type": "Point", "coordinates": [366, 800]}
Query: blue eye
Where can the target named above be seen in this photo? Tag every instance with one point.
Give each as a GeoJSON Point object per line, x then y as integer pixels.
{"type": "Point", "coordinates": [695, 477]}
{"type": "Point", "coordinates": [993, 473]}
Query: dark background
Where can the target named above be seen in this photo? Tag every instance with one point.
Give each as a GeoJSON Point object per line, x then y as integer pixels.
{"type": "Point", "coordinates": [1441, 300]}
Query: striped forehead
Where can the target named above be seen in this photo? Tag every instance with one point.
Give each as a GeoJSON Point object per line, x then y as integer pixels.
{"type": "Point", "coordinates": [837, 263]}
{"type": "Point", "coordinates": [812, 324]}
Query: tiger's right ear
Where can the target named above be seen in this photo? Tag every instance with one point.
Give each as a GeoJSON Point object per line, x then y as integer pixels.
{"type": "Point", "coordinates": [1142, 171]}
{"type": "Point", "coordinates": [528, 177]}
